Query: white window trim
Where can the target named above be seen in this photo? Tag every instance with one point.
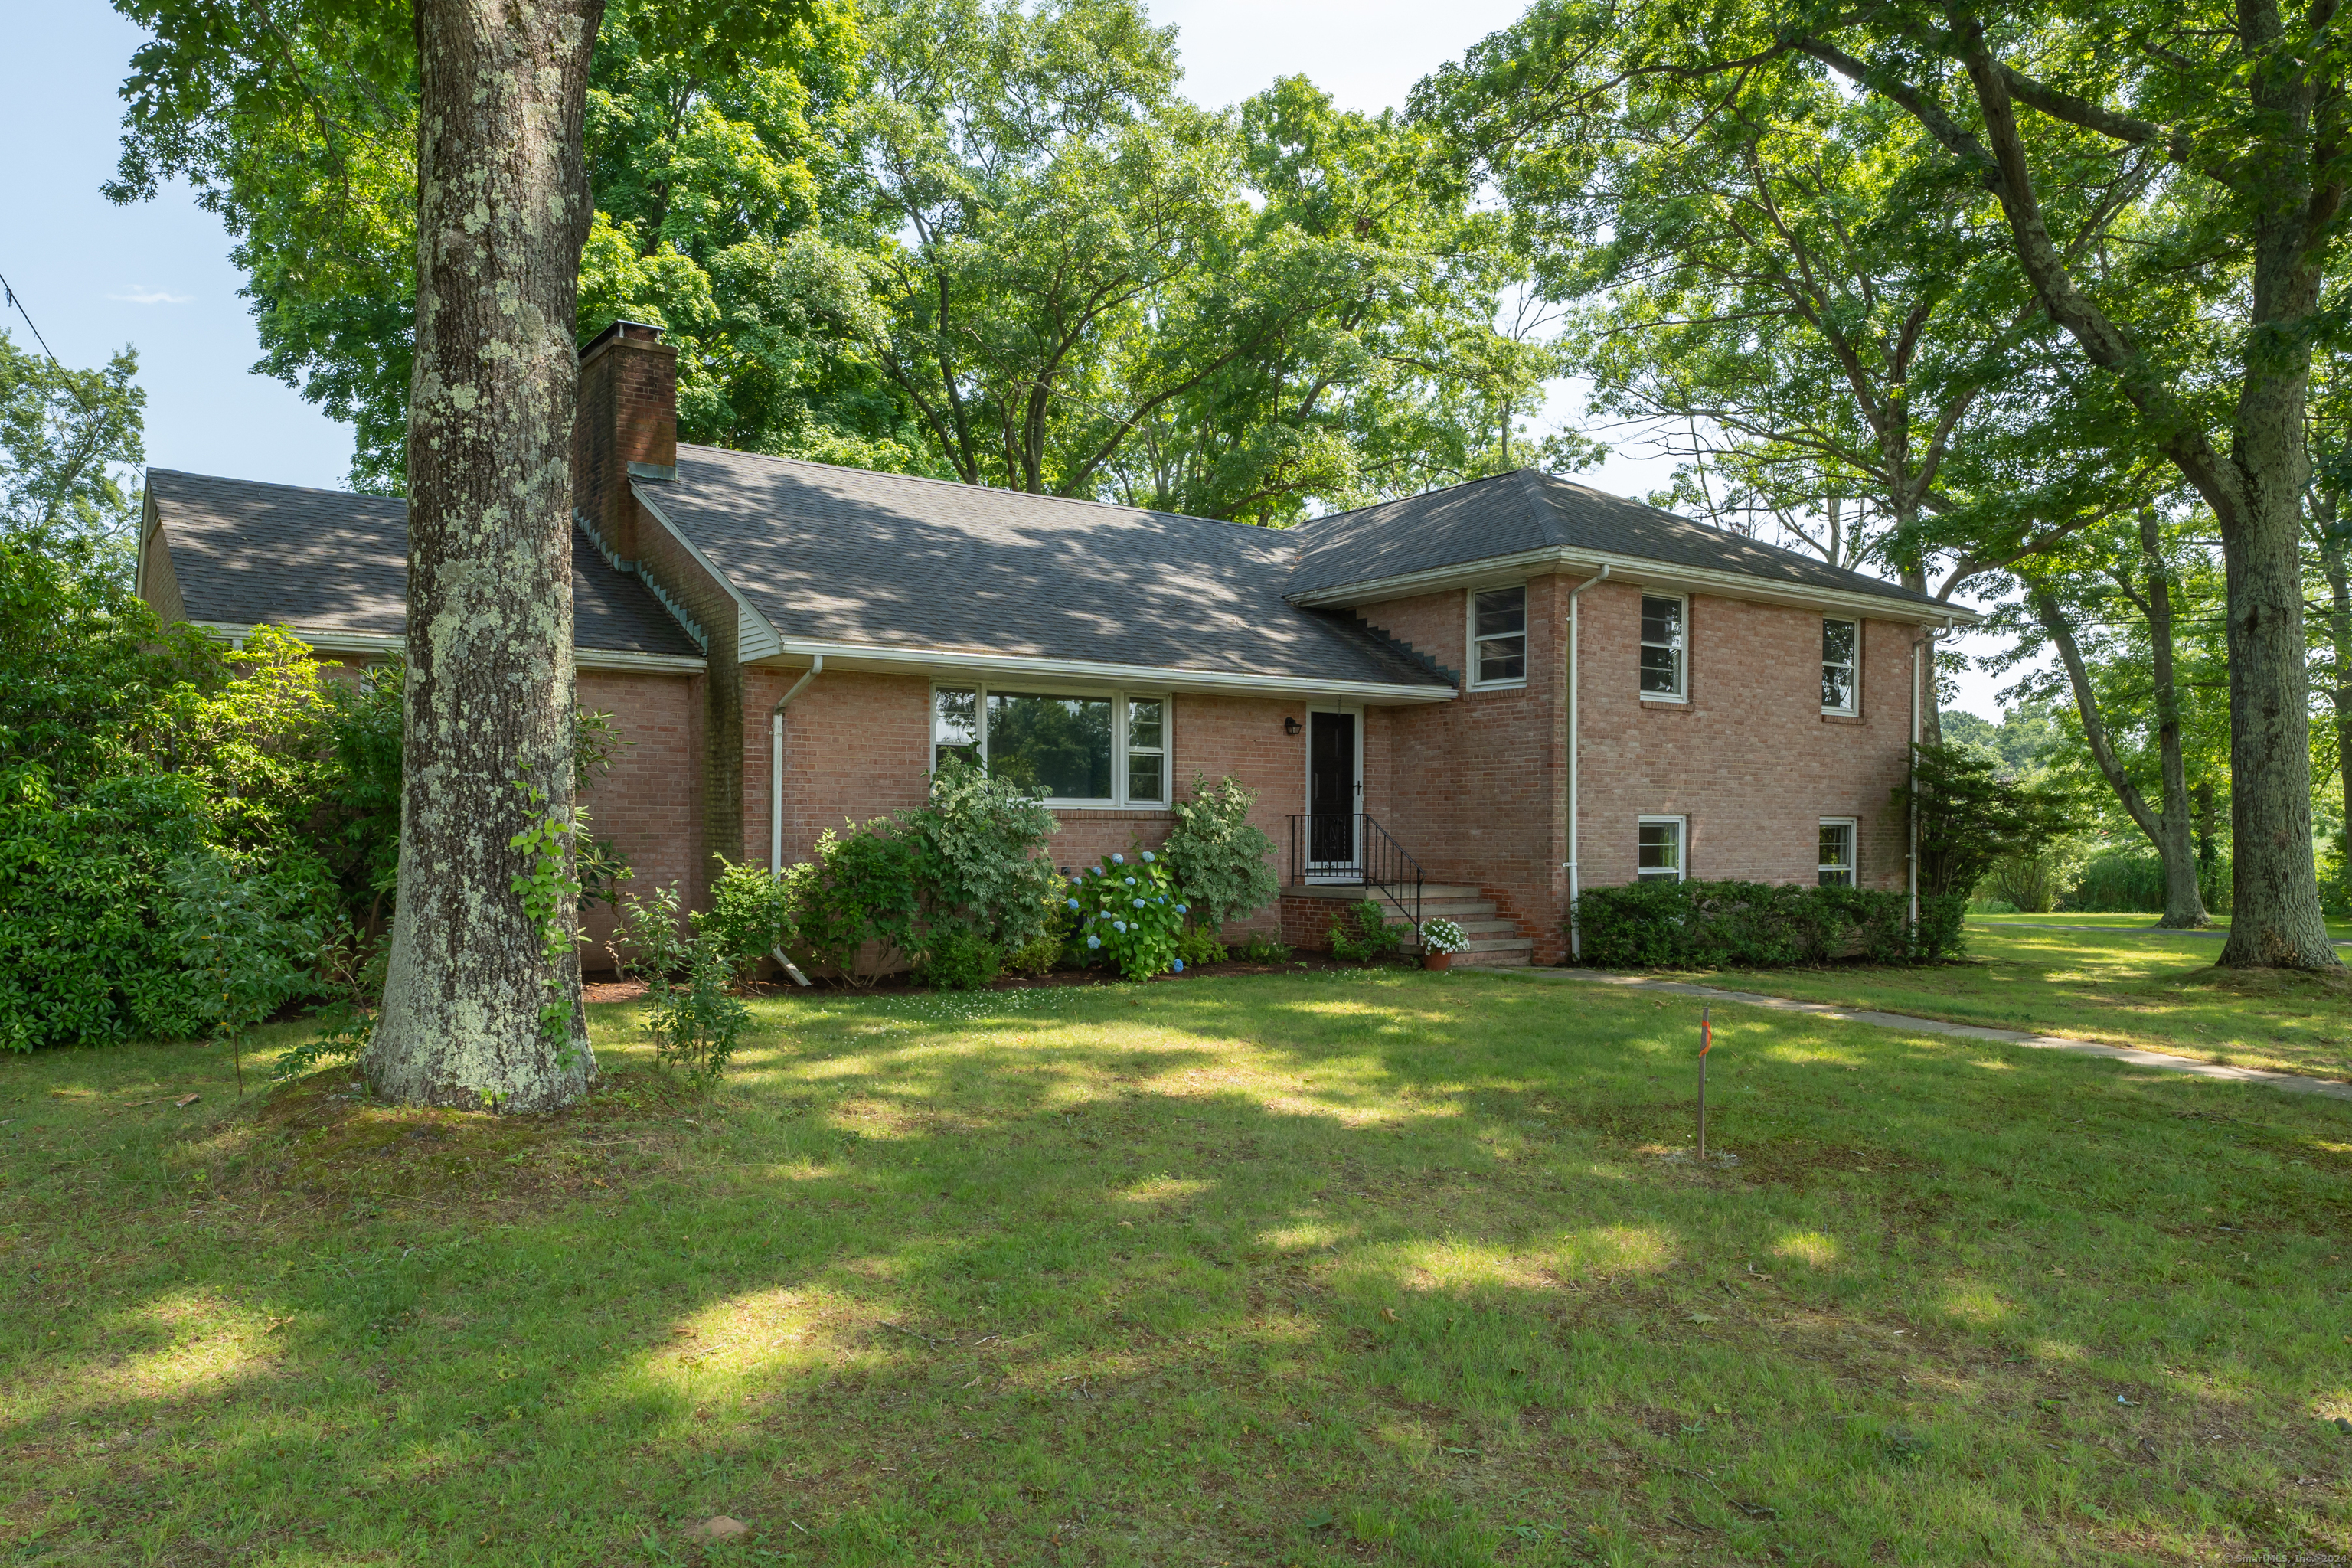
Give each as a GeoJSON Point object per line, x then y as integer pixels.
{"type": "Point", "coordinates": [1118, 800]}
{"type": "Point", "coordinates": [1681, 693]}
{"type": "Point", "coordinates": [1852, 825]}
{"type": "Point", "coordinates": [1470, 635]}
{"type": "Point", "coordinates": [1852, 710]}
{"type": "Point", "coordinates": [1682, 847]}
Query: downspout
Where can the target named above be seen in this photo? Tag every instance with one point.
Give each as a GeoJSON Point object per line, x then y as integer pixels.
{"type": "Point", "coordinates": [776, 797]}
{"type": "Point", "coordinates": [1575, 932]}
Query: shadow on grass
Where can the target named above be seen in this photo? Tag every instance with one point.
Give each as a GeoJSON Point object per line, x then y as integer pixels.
{"type": "Point", "coordinates": [1333, 1268]}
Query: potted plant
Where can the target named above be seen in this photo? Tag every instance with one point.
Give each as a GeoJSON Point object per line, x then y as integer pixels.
{"type": "Point", "coordinates": [1441, 938]}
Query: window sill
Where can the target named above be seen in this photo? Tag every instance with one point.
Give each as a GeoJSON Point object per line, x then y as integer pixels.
{"type": "Point", "coordinates": [1497, 686]}
{"type": "Point", "coordinates": [1138, 813]}
{"type": "Point", "coordinates": [1652, 700]}
{"type": "Point", "coordinates": [1841, 717]}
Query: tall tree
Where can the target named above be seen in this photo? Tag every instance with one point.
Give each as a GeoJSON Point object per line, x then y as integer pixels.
{"type": "Point", "coordinates": [2230, 120]}
{"type": "Point", "coordinates": [71, 442]}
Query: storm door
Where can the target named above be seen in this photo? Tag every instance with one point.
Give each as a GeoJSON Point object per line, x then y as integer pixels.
{"type": "Point", "coordinates": [1335, 790]}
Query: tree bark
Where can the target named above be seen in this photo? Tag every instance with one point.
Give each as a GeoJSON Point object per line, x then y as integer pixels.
{"type": "Point", "coordinates": [502, 213]}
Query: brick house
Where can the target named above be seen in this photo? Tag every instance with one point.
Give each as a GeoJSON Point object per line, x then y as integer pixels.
{"type": "Point", "coordinates": [1494, 691]}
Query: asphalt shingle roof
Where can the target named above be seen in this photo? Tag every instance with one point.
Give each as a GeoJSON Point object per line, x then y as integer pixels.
{"type": "Point", "coordinates": [324, 561]}
{"type": "Point", "coordinates": [1529, 510]}
{"type": "Point", "coordinates": [846, 555]}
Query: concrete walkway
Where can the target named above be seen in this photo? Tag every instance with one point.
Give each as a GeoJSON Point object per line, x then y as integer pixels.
{"type": "Point", "coordinates": [2216, 934]}
{"type": "Point", "coordinates": [2293, 1083]}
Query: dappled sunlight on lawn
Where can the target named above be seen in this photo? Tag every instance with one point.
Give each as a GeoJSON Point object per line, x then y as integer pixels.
{"type": "Point", "coordinates": [1384, 1268]}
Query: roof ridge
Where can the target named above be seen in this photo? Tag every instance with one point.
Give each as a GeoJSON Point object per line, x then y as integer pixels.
{"type": "Point", "coordinates": [153, 471]}
{"type": "Point", "coordinates": [1399, 500]}
{"type": "Point", "coordinates": [1547, 515]}
{"type": "Point", "coordinates": [1266, 530]}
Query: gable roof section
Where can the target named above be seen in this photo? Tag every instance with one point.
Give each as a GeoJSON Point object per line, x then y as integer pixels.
{"type": "Point", "coordinates": [325, 561]}
{"type": "Point", "coordinates": [835, 555]}
{"type": "Point", "coordinates": [1526, 512]}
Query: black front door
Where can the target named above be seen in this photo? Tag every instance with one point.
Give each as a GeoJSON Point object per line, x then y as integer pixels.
{"type": "Point", "coordinates": [1331, 789]}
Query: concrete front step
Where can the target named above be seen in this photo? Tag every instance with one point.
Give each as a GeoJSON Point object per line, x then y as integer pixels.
{"type": "Point", "coordinates": [1353, 890]}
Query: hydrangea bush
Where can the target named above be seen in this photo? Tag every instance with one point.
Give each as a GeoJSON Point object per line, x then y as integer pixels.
{"type": "Point", "coordinates": [1128, 913]}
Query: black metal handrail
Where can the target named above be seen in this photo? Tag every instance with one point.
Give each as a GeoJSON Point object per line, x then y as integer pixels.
{"type": "Point", "coordinates": [1349, 847]}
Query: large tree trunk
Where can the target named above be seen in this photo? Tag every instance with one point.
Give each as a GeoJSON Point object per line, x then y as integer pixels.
{"type": "Point", "coordinates": [2184, 905]}
{"type": "Point", "coordinates": [475, 1013]}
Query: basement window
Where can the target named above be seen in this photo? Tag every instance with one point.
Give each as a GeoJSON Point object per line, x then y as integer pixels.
{"type": "Point", "coordinates": [1661, 853]}
{"type": "Point", "coordinates": [1067, 748]}
{"type": "Point", "coordinates": [1837, 862]}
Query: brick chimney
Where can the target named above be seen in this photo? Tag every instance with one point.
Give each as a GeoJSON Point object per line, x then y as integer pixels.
{"type": "Point", "coordinates": [627, 427]}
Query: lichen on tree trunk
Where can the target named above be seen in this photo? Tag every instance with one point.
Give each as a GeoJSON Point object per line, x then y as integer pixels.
{"type": "Point", "coordinates": [502, 211]}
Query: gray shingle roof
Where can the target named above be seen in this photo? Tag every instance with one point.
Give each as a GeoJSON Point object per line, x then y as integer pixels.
{"type": "Point", "coordinates": [841, 554]}
{"type": "Point", "coordinates": [1529, 510]}
{"type": "Point", "coordinates": [325, 561]}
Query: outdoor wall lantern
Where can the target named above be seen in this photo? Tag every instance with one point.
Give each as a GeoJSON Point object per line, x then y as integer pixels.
{"type": "Point", "coordinates": [1290, 726]}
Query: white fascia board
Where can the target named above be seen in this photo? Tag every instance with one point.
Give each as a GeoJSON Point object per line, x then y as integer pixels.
{"type": "Point", "coordinates": [881, 658]}
{"type": "Point", "coordinates": [1644, 572]}
{"type": "Point", "coordinates": [755, 636]}
{"type": "Point", "coordinates": [361, 646]}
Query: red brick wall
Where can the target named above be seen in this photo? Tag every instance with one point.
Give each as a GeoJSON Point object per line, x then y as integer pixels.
{"type": "Point", "coordinates": [719, 720]}
{"type": "Point", "coordinates": [1750, 759]}
{"type": "Point", "coordinates": [646, 803]}
{"type": "Point", "coordinates": [627, 414]}
{"type": "Point", "coordinates": [858, 746]}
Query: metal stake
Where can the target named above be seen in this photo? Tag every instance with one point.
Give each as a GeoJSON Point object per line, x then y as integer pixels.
{"type": "Point", "coordinates": [1706, 1043]}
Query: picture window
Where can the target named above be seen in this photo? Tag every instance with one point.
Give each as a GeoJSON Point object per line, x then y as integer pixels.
{"type": "Point", "coordinates": [1066, 748]}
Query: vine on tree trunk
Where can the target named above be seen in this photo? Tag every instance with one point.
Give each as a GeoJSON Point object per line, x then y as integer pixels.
{"type": "Point", "coordinates": [549, 888]}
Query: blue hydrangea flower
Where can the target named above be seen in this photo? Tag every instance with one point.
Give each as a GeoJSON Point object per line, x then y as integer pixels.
{"type": "Point", "coordinates": [1074, 903]}
{"type": "Point", "coordinates": [1183, 908]}
{"type": "Point", "coordinates": [1139, 903]}
{"type": "Point", "coordinates": [1119, 925]}
{"type": "Point", "coordinates": [1147, 856]}
{"type": "Point", "coordinates": [1179, 966]}
{"type": "Point", "coordinates": [1094, 941]}
{"type": "Point", "coordinates": [1119, 859]}
{"type": "Point", "coordinates": [1130, 881]}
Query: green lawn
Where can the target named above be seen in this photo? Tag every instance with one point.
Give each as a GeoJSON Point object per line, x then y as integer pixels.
{"type": "Point", "coordinates": [1383, 1267]}
{"type": "Point", "coordinates": [2339, 929]}
{"type": "Point", "coordinates": [2160, 992]}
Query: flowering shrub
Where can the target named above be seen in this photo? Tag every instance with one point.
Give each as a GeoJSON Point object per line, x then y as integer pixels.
{"type": "Point", "coordinates": [1128, 913]}
{"type": "Point", "coordinates": [1441, 935]}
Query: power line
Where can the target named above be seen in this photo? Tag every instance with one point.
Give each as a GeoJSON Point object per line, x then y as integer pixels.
{"type": "Point", "coordinates": [9, 289]}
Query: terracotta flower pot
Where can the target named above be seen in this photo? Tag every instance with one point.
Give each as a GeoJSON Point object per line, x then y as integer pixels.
{"type": "Point", "coordinates": [1437, 961]}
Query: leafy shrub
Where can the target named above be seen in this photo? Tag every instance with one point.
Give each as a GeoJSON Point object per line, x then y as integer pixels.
{"type": "Point", "coordinates": [861, 889]}
{"type": "Point", "coordinates": [1969, 817]}
{"type": "Point", "coordinates": [1217, 858]}
{"type": "Point", "coordinates": [1129, 914]}
{"type": "Point", "coordinates": [249, 935]}
{"type": "Point", "coordinates": [1198, 944]}
{"type": "Point", "coordinates": [980, 865]}
{"type": "Point", "coordinates": [749, 915]}
{"type": "Point", "coordinates": [1708, 925]}
{"type": "Point", "coordinates": [956, 958]}
{"type": "Point", "coordinates": [694, 1015]}
{"type": "Point", "coordinates": [1441, 935]}
{"type": "Point", "coordinates": [1263, 949]}
{"type": "Point", "coordinates": [1363, 933]}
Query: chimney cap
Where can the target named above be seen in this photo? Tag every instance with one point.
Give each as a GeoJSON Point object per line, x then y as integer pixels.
{"type": "Point", "coordinates": [641, 331]}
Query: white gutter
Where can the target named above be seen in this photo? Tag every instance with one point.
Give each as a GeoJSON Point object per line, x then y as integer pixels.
{"type": "Point", "coordinates": [947, 661]}
{"type": "Point", "coordinates": [776, 797]}
{"type": "Point", "coordinates": [1575, 801]}
{"type": "Point", "coordinates": [1635, 569]}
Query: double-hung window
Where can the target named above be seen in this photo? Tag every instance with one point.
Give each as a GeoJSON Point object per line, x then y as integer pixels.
{"type": "Point", "coordinates": [1066, 748]}
{"type": "Point", "coordinates": [1663, 647]}
{"type": "Point", "coordinates": [1840, 666]}
{"type": "Point", "coordinates": [1660, 857]}
{"type": "Point", "coordinates": [1837, 862]}
{"type": "Point", "coordinates": [1499, 637]}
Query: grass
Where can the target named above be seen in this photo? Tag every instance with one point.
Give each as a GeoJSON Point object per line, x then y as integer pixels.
{"type": "Point", "coordinates": [2159, 992]}
{"type": "Point", "coordinates": [2337, 928]}
{"type": "Point", "coordinates": [1385, 1268]}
